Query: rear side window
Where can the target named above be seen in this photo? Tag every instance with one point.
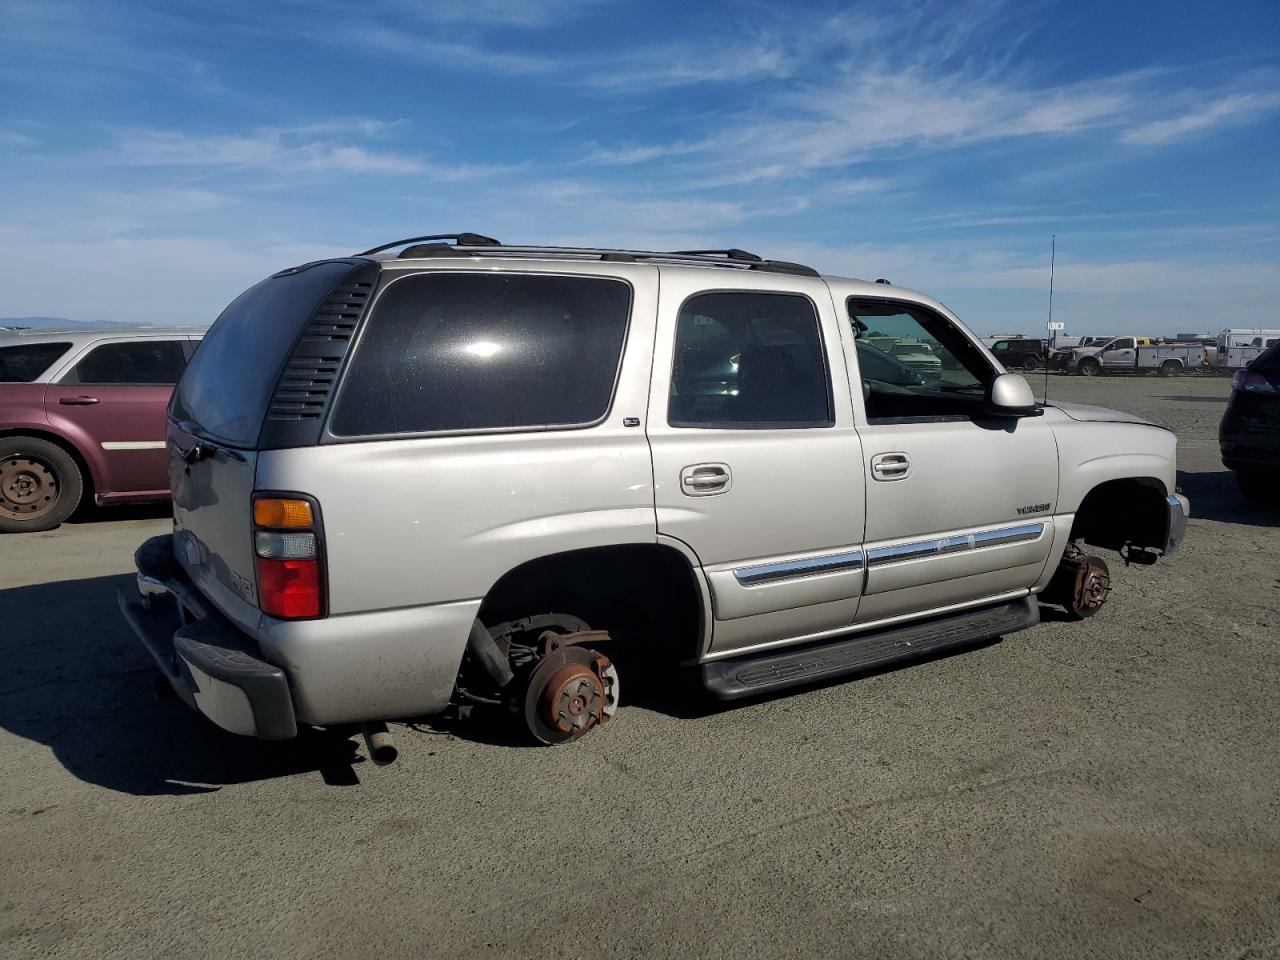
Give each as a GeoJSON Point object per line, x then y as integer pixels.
{"type": "Point", "coordinates": [749, 360]}
{"type": "Point", "coordinates": [480, 351]}
{"type": "Point", "coordinates": [227, 387]}
{"type": "Point", "coordinates": [130, 363]}
{"type": "Point", "coordinates": [26, 361]}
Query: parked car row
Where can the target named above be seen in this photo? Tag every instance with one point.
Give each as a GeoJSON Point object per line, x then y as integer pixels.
{"type": "Point", "coordinates": [1130, 355]}
{"type": "Point", "coordinates": [82, 418]}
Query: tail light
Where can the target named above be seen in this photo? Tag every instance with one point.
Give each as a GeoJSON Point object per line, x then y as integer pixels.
{"type": "Point", "coordinates": [288, 541]}
{"type": "Point", "coordinates": [1253, 382]}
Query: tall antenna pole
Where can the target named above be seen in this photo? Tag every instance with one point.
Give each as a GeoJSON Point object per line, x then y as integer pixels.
{"type": "Point", "coordinates": [1053, 334]}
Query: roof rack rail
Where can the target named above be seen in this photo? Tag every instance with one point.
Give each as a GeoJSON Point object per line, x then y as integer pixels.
{"type": "Point", "coordinates": [461, 239]}
{"type": "Point", "coordinates": [733, 259]}
{"type": "Point", "coordinates": [732, 254]}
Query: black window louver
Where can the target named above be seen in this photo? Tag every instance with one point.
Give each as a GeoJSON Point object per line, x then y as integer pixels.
{"type": "Point", "coordinates": [311, 372]}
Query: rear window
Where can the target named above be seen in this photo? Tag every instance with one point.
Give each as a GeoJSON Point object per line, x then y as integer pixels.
{"type": "Point", "coordinates": [479, 351]}
{"type": "Point", "coordinates": [1269, 358]}
{"type": "Point", "coordinates": [26, 361]}
{"type": "Point", "coordinates": [228, 384]}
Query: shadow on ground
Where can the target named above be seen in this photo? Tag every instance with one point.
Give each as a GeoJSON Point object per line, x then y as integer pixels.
{"type": "Point", "coordinates": [81, 685]}
{"type": "Point", "coordinates": [92, 513]}
{"type": "Point", "coordinates": [1215, 496]}
{"type": "Point", "coordinates": [78, 682]}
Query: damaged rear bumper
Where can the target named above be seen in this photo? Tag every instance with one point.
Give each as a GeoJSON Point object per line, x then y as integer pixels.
{"type": "Point", "coordinates": [210, 664]}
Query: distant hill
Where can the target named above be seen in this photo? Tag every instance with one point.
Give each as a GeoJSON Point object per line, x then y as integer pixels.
{"type": "Point", "coordinates": [48, 323]}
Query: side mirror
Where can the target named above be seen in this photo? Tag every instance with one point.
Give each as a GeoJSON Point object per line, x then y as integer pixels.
{"type": "Point", "coordinates": [1010, 396]}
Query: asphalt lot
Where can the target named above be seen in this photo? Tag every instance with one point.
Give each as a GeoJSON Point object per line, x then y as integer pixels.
{"type": "Point", "coordinates": [1106, 789]}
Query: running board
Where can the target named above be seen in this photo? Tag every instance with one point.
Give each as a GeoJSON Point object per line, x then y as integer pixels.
{"type": "Point", "coordinates": [773, 670]}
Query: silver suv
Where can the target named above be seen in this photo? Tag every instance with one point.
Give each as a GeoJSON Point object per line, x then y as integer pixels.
{"type": "Point", "coordinates": [477, 474]}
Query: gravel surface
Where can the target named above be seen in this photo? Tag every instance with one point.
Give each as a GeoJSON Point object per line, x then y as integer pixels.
{"type": "Point", "coordinates": [1106, 789]}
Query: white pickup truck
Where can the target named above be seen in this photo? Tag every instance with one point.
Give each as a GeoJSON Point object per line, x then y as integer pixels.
{"type": "Point", "coordinates": [1127, 355]}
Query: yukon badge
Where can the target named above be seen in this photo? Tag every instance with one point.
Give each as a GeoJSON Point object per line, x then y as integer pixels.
{"type": "Point", "coordinates": [1033, 508]}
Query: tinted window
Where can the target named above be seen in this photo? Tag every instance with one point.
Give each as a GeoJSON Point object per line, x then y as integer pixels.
{"type": "Point", "coordinates": [229, 382]}
{"type": "Point", "coordinates": [900, 380]}
{"type": "Point", "coordinates": [475, 351]}
{"type": "Point", "coordinates": [26, 361]}
{"type": "Point", "coordinates": [138, 363]}
{"type": "Point", "coordinates": [749, 360]}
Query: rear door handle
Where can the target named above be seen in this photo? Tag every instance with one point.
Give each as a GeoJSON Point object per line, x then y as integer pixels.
{"type": "Point", "coordinates": [78, 401]}
{"type": "Point", "coordinates": [890, 466]}
{"type": "Point", "coordinates": [706, 479]}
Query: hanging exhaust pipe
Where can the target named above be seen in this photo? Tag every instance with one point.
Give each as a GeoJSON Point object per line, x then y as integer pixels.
{"type": "Point", "coordinates": [377, 740]}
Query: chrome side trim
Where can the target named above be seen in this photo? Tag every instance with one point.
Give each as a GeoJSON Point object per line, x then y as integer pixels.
{"type": "Point", "coordinates": [960, 543]}
{"type": "Point", "coordinates": [1026, 531]}
{"type": "Point", "coordinates": [789, 569]}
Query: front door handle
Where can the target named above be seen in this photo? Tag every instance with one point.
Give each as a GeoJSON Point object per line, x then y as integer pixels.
{"type": "Point", "coordinates": [78, 401]}
{"type": "Point", "coordinates": [706, 479]}
{"type": "Point", "coordinates": [890, 466]}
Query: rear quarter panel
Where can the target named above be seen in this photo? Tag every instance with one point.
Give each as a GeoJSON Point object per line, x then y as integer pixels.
{"type": "Point", "coordinates": [435, 519]}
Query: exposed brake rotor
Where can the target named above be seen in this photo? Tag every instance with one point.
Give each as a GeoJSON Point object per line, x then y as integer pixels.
{"type": "Point", "coordinates": [1082, 583]}
{"type": "Point", "coordinates": [570, 691]}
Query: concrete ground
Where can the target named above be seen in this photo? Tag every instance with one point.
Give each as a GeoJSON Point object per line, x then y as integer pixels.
{"type": "Point", "coordinates": [1105, 789]}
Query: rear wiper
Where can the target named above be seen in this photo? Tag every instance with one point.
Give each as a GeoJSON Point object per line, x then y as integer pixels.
{"type": "Point", "coordinates": [203, 448]}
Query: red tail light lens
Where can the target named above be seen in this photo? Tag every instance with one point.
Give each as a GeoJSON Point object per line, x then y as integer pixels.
{"type": "Point", "coordinates": [289, 589]}
{"type": "Point", "coordinates": [1244, 380]}
{"type": "Point", "coordinates": [288, 542]}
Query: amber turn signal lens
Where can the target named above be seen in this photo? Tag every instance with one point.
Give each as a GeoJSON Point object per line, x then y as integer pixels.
{"type": "Point", "coordinates": [279, 512]}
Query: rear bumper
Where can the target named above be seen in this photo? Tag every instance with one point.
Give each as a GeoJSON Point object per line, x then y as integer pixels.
{"type": "Point", "coordinates": [1246, 444]}
{"type": "Point", "coordinates": [211, 665]}
{"type": "Point", "coordinates": [1178, 509]}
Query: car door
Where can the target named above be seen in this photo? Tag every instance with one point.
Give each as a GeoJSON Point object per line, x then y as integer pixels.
{"type": "Point", "coordinates": [113, 398]}
{"type": "Point", "coordinates": [757, 464]}
{"type": "Point", "coordinates": [1120, 353]}
{"type": "Point", "coordinates": [959, 504]}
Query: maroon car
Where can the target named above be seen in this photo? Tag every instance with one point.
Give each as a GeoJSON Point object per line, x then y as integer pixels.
{"type": "Point", "coordinates": [82, 414]}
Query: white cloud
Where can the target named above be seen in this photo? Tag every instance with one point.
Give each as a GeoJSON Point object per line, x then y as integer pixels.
{"type": "Point", "coordinates": [427, 47]}
{"type": "Point", "coordinates": [627, 156]}
{"type": "Point", "coordinates": [11, 138]}
{"type": "Point", "coordinates": [283, 150]}
{"type": "Point", "coordinates": [495, 13]}
{"type": "Point", "coordinates": [1235, 108]}
{"type": "Point", "coordinates": [684, 65]}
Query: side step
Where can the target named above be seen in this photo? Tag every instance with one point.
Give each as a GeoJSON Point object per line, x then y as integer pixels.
{"type": "Point", "coordinates": [779, 669]}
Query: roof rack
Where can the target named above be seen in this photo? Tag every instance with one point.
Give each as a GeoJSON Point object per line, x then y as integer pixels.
{"type": "Point", "coordinates": [462, 239]}
{"type": "Point", "coordinates": [473, 244]}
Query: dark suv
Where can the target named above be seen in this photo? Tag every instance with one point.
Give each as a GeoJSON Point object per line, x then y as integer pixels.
{"type": "Point", "coordinates": [1250, 431]}
{"type": "Point", "coordinates": [1020, 353]}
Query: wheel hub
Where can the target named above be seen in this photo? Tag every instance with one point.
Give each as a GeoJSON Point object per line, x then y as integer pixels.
{"type": "Point", "coordinates": [574, 700]}
{"type": "Point", "coordinates": [571, 690]}
{"type": "Point", "coordinates": [28, 487]}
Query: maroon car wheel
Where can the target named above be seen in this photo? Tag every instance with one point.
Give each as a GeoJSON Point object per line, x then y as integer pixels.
{"type": "Point", "coordinates": [40, 484]}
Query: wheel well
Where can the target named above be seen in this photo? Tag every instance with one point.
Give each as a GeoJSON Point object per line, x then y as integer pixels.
{"type": "Point", "coordinates": [645, 595]}
{"type": "Point", "coordinates": [1131, 510]}
{"type": "Point", "coordinates": [86, 472]}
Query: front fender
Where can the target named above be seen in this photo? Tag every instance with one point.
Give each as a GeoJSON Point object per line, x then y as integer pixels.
{"type": "Point", "coordinates": [1093, 453]}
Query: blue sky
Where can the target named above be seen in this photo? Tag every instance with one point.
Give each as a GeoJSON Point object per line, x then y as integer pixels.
{"type": "Point", "coordinates": [158, 158]}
